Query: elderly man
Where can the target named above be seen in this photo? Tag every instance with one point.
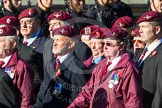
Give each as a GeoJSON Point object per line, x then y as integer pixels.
{"type": "Point", "coordinates": [30, 29]}
{"type": "Point", "coordinates": [96, 44]}
{"type": "Point", "coordinates": [25, 52]}
{"type": "Point", "coordinates": [149, 60]}
{"type": "Point", "coordinates": [32, 37]}
{"type": "Point", "coordinates": [115, 81]}
{"type": "Point", "coordinates": [58, 19]}
{"type": "Point", "coordinates": [18, 70]}
{"type": "Point", "coordinates": [63, 77]}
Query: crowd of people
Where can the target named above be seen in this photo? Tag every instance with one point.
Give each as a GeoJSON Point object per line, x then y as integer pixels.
{"type": "Point", "coordinates": [97, 57]}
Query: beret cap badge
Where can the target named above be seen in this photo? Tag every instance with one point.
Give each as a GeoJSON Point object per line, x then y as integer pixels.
{"type": "Point", "coordinates": [57, 15]}
{"type": "Point", "coordinates": [87, 30]}
{"type": "Point", "coordinates": [121, 25]}
{"type": "Point", "coordinates": [147, 17]}
{"type": "Point", "coordinates": [8, 20]}
{"type": "Point", "coordinates": [62, 31]}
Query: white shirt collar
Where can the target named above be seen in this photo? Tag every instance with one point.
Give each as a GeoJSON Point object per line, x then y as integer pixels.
{"type": "Point", "coordinates": [6, 60]}
{"type": "Point", "coordinates": [114, 63]}
{"type": "Point", "coordinates": [153, 45]}
{"type": "Point", "coordinates": [62, 58]}
{"type": "Point", "coordinates": [32, 39]}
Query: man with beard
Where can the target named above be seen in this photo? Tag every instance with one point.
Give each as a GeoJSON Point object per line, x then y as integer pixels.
{"type": "Point", "coordinates": [18, 70]}
{"type": "Point", "coordinates": [56, 20]}
{"type": "Point", "coordinates": [75, 8]}
{"type": "Point", "coordinates": [63, 77]}
{"type": "Point", "coordinates": [106, 12]}
{"type": "Point", "coordinates": [11, 7]}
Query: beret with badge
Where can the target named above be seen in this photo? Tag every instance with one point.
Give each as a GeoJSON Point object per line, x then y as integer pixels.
{"type": "Point", "coordinates": [149, 16]}
{"type": "Point", "coordinates": [65, 31]}
{"type": "Point", "coordinates": [29, 12]}
{"type": "Point", "coordinates": [88, 30]}
{"type": "Point", "coordinates": [10, 21]}
{"type": "Point", "coordinates": [7, 31]}
{"type": "Point", "coordinates": [115, 34]}
{"type": "Point", "coordinates": [123, 22]}
{"type": "Point", "coordinates": [135, 32]}
{"type": "Point", "coordinates": [61, 15]}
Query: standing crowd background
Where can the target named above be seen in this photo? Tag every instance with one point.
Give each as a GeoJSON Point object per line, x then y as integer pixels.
{"type": "Point", "coordinates": [100, 57]}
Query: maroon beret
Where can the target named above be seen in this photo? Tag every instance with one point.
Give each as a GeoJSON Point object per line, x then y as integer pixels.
{"type": "Point", "coordinates": [135, 32]}
{"type": "Point", "coordinates": [65, 31]}
{"type": "Point", "coordinates": [61, 15]}
{"type": "Point", "coordinates": [123, 22]}
{"type": "Point", "coordinates": [10, 20]}
{"type": "Point", "coordinates": [30, 12]}
{"type": "Point", "coordinates": [115, 34]}
{"type": "Point", "coordinates": [7, 31]}
{"type": "Point", "coordinates": [97, 34]}
{"type": "Point", "coordinates": [89, 30]}
{"type": "Point", "coordinates": [149, 16]}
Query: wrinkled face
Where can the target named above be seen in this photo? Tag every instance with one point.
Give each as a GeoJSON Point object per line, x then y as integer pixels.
{"type": "Point", "coordinates": [111, 49]}
{"type": "Point", "coordinates": [28, 26]}
{"type": "Point", "coordinates": [137, 43]}
{"type": "Point", "coordinates": [17, 3]}
{"type": "Point", "coordinates": [86, 39]}
{"type": "Point", "coordinates": [156, 5]}
{"type": "Point", "coordinates": [5, 47]}
{"type": "Point", "coordinates": [96, 46]}
{"type": "Point", "coordinates": [77, 5]}
{"type": "Point", "coordinates": [60, 45]}
{"type": "Point", "coordinates": [105, 2]}
{"type": "Point", "coordinates": [147, 32]}
{"type": "Point", "coordinates": [47, 3]}
{"type": "Point", "coordinates": [53, 24]}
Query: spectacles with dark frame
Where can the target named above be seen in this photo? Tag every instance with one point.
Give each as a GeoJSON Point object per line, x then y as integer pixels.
{"type": "Point", "coordinates": [27, 22]}
{"type": "Point", "coordinates": [110, 44]}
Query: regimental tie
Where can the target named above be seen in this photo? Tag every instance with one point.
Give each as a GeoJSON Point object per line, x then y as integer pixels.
{"type": "Point", "coordinates": [141, 57]}
{"type": "Point", "coordinates": [1, 63]}
{"type": "Point", "coordinates": [57, 68]}
{"type": "Point", "coordinates": [57, 86]}
{"type": "Point", "coordinates": [105, 69]}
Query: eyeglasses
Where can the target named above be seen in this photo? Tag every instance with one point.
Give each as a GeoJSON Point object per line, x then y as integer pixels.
{"type": "Point", "coordinates": [110, 44]}
{"type": "Point", "coordinates": [138, 41]}
{"type": "Point", "coordinates": [27, 22]}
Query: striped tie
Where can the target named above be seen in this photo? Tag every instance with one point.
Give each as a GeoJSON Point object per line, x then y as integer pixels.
{"type": "Point", "coordinates": [141, 57]}
{"type": "Point", "coordinates": [57, 68]}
